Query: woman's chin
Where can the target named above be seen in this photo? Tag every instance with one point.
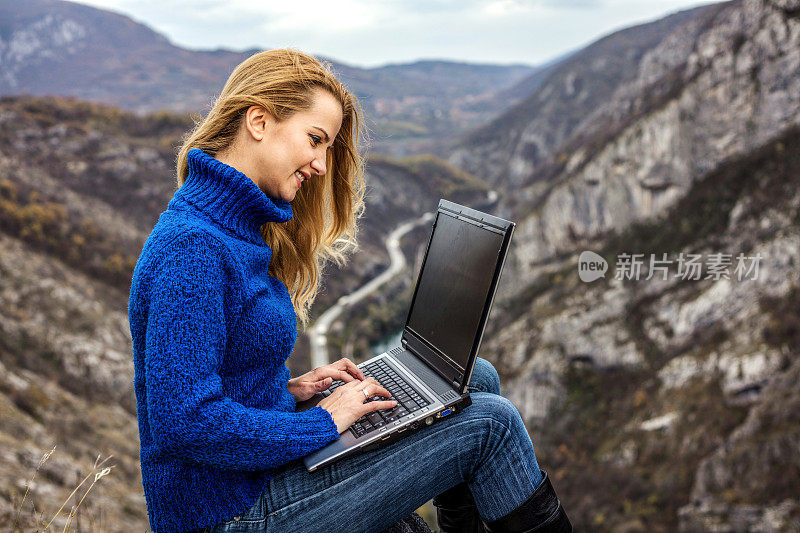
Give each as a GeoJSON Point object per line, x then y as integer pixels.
{"type": "Point", "coordinates": [284, 195]}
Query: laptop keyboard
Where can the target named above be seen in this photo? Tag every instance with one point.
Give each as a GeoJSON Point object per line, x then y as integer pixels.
{"type": "Point", "coordinates": [408, 398]}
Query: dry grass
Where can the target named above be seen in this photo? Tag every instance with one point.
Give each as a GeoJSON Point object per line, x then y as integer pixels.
{"type": "Point", "coordinates": [43, 525]}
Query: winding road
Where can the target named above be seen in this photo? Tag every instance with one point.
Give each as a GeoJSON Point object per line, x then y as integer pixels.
{"type": "Point", "coordinates": [319, 331]}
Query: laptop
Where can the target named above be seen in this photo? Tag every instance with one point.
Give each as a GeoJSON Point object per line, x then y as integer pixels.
{"type": "Point", "coordinates": [429, 371]}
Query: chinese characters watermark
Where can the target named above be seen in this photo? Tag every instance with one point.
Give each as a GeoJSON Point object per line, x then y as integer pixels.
{"type": "Point", "coordinates": [713, 266]}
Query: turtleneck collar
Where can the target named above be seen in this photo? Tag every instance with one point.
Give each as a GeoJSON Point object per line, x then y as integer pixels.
{"type": "Point", "coordinates": [228, 197]}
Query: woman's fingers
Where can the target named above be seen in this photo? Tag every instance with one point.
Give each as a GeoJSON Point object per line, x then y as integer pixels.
{"type": "Point", "coordinates": [330, 371]}
{"type": "Point", "coordinates": [345, 376]}
{"type": "Point", "coordinates": [356, 384]}
{"type": "Point", "coordinates": [377, 405]}
{"type": "Point", "coordinates": [358, 388]}
{"type": "Point", "coordinates": [350, 367]}
{"type": "Point", "coordinates": [348, 403]}
{"type": "Point", "coordinates": [375, 389]}
{"type": "Point", "coordinates": [347, 387]}
{"type": "Point", "coordinates": [372, 387]}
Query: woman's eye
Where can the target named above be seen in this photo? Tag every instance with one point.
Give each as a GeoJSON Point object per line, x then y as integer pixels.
{"type": "Point", "coordinates": [317, 140]}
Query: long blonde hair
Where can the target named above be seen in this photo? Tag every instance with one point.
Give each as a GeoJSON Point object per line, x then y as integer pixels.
{"type": "Point", "coordinates": [323, 227]}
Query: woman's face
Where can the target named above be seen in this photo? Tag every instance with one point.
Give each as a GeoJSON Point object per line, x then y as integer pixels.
{"type": "Point", "coordinates": [288, 153]}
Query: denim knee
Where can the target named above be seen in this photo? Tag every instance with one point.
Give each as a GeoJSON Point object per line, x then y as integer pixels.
{"type": "Point", "coordinates": [506, 471]}
{"type": "Point", "coordinates": [500, 412]}
{"type": "Point", "coordinates": [484, 377]}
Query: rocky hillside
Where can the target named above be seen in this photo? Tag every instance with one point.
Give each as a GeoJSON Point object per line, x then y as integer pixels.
{"type": "Point", "coordinates": [656, 404]}
{"type": "Point", "coordinates": [663, 403]}
{"type": "Point", "coordinates": [676, 398]}
{"type": "Point", "coordinates": [53, 47]}
{"type": "Point", "coordinates": [560, 100]}
{"type": "Point", "coordinates": [721, 84]}
{"type": "Point", "coordinates": [81, 186]}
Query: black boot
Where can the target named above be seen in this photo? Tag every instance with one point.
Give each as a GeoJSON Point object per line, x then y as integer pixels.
{"type": "Point", "coordinates": [542, 513]}
{"type": "Point", "coordinates": [457, 512]}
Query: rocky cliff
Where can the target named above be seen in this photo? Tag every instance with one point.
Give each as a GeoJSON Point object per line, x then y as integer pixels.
{"type": "Point", "coordinates": [561, 99]}
{"type": "Point", "coordinates": [661, 403]}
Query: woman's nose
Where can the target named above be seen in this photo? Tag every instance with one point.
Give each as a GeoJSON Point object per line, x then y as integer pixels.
{"type": "Point", "coordinates": [318, 166]}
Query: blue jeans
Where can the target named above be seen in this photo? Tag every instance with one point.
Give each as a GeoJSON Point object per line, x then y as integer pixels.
{"type": "Point", "coordinates": [485, 445]}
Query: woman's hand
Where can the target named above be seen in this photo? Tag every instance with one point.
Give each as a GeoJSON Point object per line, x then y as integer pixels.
{"type": "Point", "coordinates": [305, 386]}
{"type": "Point", "coordinates": [346, 404]}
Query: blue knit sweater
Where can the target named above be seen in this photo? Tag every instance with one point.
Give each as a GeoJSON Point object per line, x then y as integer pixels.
{"type": "Point", "coordinates": [211, 334]}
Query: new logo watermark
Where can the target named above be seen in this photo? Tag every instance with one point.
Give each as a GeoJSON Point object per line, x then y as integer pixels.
{"type": "Point", "coordinates": [591, 266]}
{"type": "Point", "coordinates": [714, 266]}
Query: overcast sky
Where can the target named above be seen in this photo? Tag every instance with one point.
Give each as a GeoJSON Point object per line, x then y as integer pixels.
{"type": "Point", "coordinates": [375, 32]}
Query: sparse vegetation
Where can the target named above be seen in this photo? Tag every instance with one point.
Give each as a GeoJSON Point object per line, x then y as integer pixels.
{"type": "Point", "coordinates": [39, 522]}
{"type": "Point", "coordinates": [783, 330]}
{"type": "Point", "coordinates": [49, 227]}
{"type": "Point", "coordinates": [436, 174]}
{"type": "Point", "coordinates": [84, 115]}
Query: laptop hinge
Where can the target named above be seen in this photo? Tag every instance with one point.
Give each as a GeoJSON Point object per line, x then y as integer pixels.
{"type": "Point", "coordinates": [406, 346]}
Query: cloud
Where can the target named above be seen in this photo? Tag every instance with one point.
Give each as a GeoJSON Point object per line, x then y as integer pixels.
{"type": "Point", "coordinates": [574, 4]}
{"type": "Point", "coordinates": [368, 33]}
{"type": "Point", "coordinates": [321, 16]}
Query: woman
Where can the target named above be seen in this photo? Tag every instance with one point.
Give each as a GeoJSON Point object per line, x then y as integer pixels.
{"type": "Point", "coordinates": [271, 185]}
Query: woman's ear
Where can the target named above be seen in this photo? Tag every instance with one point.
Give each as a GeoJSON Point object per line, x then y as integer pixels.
{"type": "Point", "coordinates": [256, 119]}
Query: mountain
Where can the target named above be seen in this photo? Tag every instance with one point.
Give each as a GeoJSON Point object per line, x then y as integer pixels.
{"type": "Point", "coordinates": [657, 404]}
{"type": "Point", "coordinates": [562, 98]}
{"type": "Point", "coordinates": [721, 83]}
{"type": "Point", "coordinates": [52, 47]}
{"type": "Point", "coordinates": [69, 49]}
{"type": "Point", "coordinates": [671, 404]}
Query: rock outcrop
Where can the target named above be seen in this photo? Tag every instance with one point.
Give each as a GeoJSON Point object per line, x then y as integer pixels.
{"type": "Point", "coordinates": [657, 389]}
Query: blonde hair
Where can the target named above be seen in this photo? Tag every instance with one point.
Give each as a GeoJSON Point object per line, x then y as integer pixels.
{"type": "Point", "coordinates": [323, 227]}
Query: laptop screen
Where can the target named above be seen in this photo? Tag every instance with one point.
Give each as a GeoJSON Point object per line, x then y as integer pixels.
{"type": "Point", "coordinates": [454, 285]}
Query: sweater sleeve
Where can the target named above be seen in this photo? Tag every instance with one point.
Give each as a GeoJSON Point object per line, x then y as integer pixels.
{"type": "Point", "coordinates": [188, 414]}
